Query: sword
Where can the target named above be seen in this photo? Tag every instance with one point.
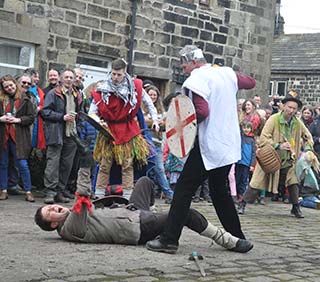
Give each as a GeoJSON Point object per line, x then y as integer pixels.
{"type": "Point", "coordinates": [196, 258]}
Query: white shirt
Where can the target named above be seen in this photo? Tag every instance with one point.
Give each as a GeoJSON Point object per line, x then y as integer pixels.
{"type": "Point", "coordinates": [219, 133]}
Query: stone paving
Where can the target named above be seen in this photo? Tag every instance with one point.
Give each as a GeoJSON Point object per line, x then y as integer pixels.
{"type": "Point", "coordinates": [285, 249]}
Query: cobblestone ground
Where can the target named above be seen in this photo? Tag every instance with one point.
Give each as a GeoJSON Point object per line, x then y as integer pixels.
{"type": "Point", "coordinates": [285, 249]}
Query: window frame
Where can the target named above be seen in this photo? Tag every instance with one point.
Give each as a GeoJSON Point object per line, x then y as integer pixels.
{"type": "Point", "coordinates": [271, 86]}
{"type": "Point", "coordinates": [204, 2]}
{"type": "Point", "coordinates": [16, 43]}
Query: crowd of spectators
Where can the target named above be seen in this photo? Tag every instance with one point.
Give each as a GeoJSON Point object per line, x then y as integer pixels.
{"type": "Point", "coordinates": [44, 138]}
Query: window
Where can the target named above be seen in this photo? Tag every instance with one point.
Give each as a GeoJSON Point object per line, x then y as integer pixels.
{"type": "Point", "coordinates": [93, 74]}
{"type": "Point", "coordinates": [271, 88]}
{"type": "Point", "coordinates": [15, 57]}
{"type": "Point", "coordinates": [281, 88]}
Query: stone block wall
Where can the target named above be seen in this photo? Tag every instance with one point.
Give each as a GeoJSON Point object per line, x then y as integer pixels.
{"type": "Point", "coordinates": [306, 84]}
{"type": "Point", "coordinates": [239, 33]}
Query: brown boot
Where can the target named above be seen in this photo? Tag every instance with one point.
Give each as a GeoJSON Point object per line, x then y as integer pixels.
{"type": "Point", "coordinates": [29, 197]}
{"type": "Point", "coordinates": [3, 195]}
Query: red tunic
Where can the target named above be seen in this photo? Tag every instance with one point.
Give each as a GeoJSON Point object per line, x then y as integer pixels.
{"type": "Point", "coordinates": [121, 122]}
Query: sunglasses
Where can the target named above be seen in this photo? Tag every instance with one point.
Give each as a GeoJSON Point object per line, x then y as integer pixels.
{"type": "Point", "coordinates": [26, 82]}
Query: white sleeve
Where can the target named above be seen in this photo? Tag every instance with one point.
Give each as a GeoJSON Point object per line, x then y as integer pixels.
{"type": "Point", "coordinates": [146, 100]}
{"type": "Point", "coordinates": [93, 108]}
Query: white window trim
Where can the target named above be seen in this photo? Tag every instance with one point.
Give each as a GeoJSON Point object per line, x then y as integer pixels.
{"type": "Point", "coordinates": [93, 68]}
{"type": "Point", "coordinates": [272, 87]}
{"type": "Point", "coordinates": [20, 44]}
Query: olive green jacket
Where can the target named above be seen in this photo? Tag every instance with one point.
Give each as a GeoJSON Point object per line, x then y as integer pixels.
{"type": "Point", "coordinates": [275, 132]}
{"type": "Point", "coordinates": [104, 225]}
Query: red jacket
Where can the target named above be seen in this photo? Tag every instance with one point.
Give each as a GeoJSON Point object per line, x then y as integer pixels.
{"type": "Point", "coordinates": [121, 122]}
{"type": "Point", "coordinates": [41, 140]}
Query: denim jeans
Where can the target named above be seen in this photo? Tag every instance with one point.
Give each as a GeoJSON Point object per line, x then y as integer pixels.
{"type": "Point", "coordinates": [158, 175]}
{"type": "Point", "coordinates": [13, 173]}
{"type": "Point", "coordinates": [21, 164]}
{"type": "Point", "coordinates": [309, 202]}
{"type": "Point", "coordinates": [242, 177]}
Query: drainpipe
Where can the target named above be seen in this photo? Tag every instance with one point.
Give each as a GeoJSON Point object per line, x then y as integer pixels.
{"type": "Point", "coordinates": [132, 33]}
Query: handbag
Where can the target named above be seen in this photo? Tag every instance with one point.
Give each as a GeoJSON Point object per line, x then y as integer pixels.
{"type": "Point", "coordinates": [268, 159]}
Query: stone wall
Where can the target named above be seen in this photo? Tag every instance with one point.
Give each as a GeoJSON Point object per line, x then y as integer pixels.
{"type": "Point", "coordinates": [239, 33]}
{"type": "Point", "coordinates": [307, 85]}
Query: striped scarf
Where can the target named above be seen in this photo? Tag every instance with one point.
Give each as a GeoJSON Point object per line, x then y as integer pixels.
{"type": "Point", "coordinates": [125, 90]}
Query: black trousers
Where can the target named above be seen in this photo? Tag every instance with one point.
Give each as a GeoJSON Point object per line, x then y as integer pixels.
{"type": "Point", "coordinates": [192, 176]}
{"type": "Point", "coordinates": [152, 224]}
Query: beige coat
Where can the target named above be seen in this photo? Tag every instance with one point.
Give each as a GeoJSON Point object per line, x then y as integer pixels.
{"type": "Point", "coordinates": [273, 133]}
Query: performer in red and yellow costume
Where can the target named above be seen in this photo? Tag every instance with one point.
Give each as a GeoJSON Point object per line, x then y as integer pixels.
{"type": "Point", "coordinates": [116, 102]}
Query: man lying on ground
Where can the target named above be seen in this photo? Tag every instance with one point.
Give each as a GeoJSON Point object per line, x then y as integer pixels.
{"type": "Point", "coordinates": [129, 224]}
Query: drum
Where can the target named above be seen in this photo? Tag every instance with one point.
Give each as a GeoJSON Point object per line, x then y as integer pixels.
{"type": "Point", "coordinates": [268, 159]}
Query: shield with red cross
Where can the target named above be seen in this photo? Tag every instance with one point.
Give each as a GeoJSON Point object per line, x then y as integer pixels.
{"type": "Point", "coordinates": [181, 126]}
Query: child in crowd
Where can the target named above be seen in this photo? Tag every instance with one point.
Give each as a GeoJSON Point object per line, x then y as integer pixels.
{"type": "Point", "coordinates": [89, 133]}
{"type": "Point", "coordinates": [173, 165]}
{"type": "Point", "coordinates": [247, 162]}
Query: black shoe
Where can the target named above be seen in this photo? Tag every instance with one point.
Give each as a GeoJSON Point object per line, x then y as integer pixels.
{"type": "Point", "coordinates": [296, 211]}
{"type": "Point", "coordinates": [242, 246]}
{"type": "Point", "coordinates": [15, 190]}
{"type": "Point", "coordinates": [262, 201]}
{"type": "Point", "coordinates": [241, 207]}
{"type": "Point", "coordinates": [60, 199]}
{"type": "Point", "coordinates": [157, 194]}
{"type": "Point", "coordinates": [208, 199]}
{"type": "Point", "coordinates": [49, 200]}
{"type": "Point", "coordinates": [156, 246]}
{"type": "Point", "coordinates": [67, 194]}
{"type": "Point", "coordinates": [196, 199]}
{"type": "Point", "coordinates": [275, 198]}
{"type": "Point", "coordinates": [168, 201]}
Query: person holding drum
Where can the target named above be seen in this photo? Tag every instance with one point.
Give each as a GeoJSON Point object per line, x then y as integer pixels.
{"type": "Point", "coordinates": [216, 147]}
{"type": "Point", "coordinates": [284, 131]}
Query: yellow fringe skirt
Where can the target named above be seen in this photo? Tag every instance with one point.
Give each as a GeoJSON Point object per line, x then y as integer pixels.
{"type": "Point", "coordinates": [136, 148]}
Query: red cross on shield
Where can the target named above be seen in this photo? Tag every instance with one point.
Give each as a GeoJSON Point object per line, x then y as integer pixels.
{"type": "Point", "coordinates": [181, 126]}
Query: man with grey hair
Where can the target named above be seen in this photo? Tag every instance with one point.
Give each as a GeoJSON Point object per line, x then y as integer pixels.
{"type": "Point", "coordinates": [213, 91]}
{"type": "Point", "coordinates": [59, 112]}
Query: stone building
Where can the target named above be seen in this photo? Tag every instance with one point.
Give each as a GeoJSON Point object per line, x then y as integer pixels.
{"type": "Point", "coordinates": [148, 33]}
{"type": "Point", "coordinates": [295, 62]}
{"type": "Point", "coordinates": [296, 65]}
